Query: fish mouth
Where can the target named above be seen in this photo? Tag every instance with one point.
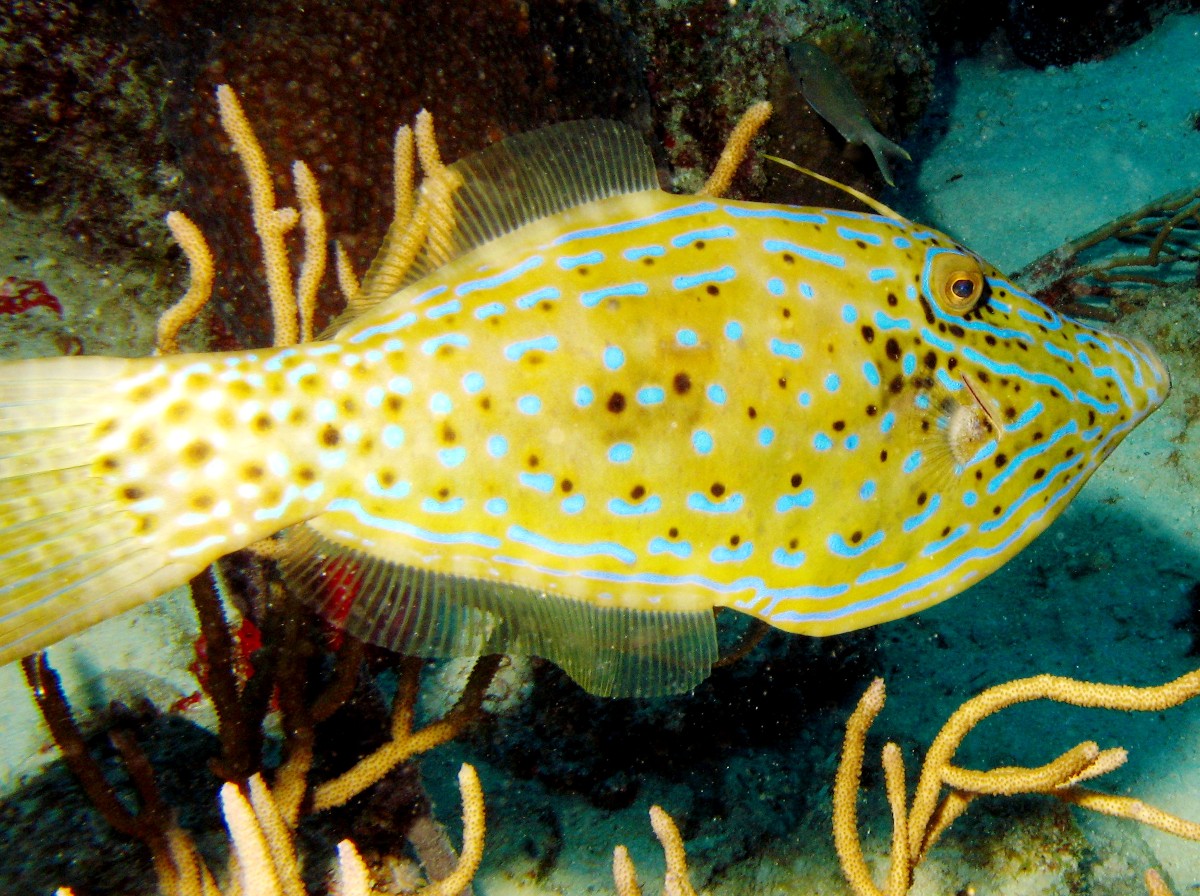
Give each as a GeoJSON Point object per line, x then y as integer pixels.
{"type": "Point", "coordinates": [1156, 376]}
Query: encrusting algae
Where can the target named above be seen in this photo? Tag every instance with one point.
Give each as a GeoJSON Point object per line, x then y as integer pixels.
{"type": "Point", "coordinates": [568, 414]}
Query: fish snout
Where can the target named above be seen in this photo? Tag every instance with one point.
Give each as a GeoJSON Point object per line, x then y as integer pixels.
{"type": "Point", "coordinates": [1150, 377]}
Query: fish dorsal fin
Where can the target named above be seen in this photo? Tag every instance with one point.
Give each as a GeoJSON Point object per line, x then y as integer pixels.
{"type": "Point", "coordinates": [538, 174]}
{"type": "Point", "coordinates": [845, 188]}
{"type": "Point", "coordinates": [518, 180]}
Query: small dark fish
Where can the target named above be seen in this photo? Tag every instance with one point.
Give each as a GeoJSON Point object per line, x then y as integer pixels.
{"type": "Point", "coordinates": [832, 96]}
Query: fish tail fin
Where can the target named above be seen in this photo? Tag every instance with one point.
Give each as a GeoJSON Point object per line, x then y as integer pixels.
{"type": "Point", "coordinates": [72, 552]}
{"type": "Point", "coordinates": [882, 149]}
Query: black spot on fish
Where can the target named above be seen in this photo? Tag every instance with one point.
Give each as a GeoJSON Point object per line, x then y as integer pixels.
{"type": "Point", "coordinates": [793, 543]}
{"type": "Point", "coordinates": [1039, 473]}
{"type": "Point", "coordinates": [929, 316]}
{"type": "Point", "coordinates": [931, 360]}
{"type": "Point", "coordinates": [872, 410]}
{"type": "Point", "coordinates": [716, 489]}
{"type": "Point", "coordinates": [883, 455]}
{"type": "Point", "coordinates": [839, 425]}
{"type": "Point", "coordinates": [956, 331]}
{"type": "Point", "coordinates": [892, 347]}
{"type": "Point", "coordinates": [868, 334]}
{"type": "Point", "coordinates": [796, 480]}
{"type": "Point", "coordinates": [921, 499]}
{"type": "Point", "coordinates": [751, 412]}
{"type": "Point", "coordinates": [567, 486]}
{"type": "Point", "coordinates": [789, 258]}
{"type": "Point", "coordinates": [637, 492]}
{"type": "Point", "coordinates": [647, 261]}
{"type": "Point", "coordinates": [132, 493]}
{"type": "Point", "coordinates": [443, 493]}
{"type": "Point", "coordinates": [712, 289]}
{"type": "Point", "coordinates": [673, 532]}
{"type": "Point", "coordinates": [782, 382]}
{"type": "Point", "coordinates": [616, 402]}
{"type": "Point", "coordinates": [533, 460]}
{"type": "Point", "coordinates": [856, 537]}
{"type": "Point", "coordinates": [582, 271]}
{"type": "Point", "coordinates": [330, 437]}
{"type": "Point", "coordinates": [951, 362]}
{"type": "Point", "coordinates": [735, 540]}
{"type": "Point", "coordinates": [896, 385]}
{"type": "Point", "coordinates": [983, 376]}
{"type": "Point", "coordinates": [699, 244]}
{"type": "Point", "coordinates": [682, 383]}
{"type": "Point", "coordinates": [394, 404]}
{"type": "Point", "coordinates": [892, 300]}
{"type": "Point", "coordinates": [199, 451]}
{"type": "Point", "coordinates": [485, 403]}
{"type": "Point", "coordinates": [996, 510]}
{"type": "Point", "coordinates": [449, 436]}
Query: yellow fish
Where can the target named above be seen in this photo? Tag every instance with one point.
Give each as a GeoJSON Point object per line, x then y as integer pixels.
{"type": "Point", "coordinates": [612, 410]}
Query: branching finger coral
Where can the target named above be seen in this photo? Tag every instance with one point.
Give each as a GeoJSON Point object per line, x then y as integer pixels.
{"type": "Point", "coordinates": [917, 826]}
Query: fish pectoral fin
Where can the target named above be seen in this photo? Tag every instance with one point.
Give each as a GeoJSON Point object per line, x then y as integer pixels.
{"type": "Point", "coordinates": [609, 651]}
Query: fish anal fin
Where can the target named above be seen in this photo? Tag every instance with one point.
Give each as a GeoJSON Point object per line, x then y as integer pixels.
{"type": "Point", "coordinates": [609, 651]}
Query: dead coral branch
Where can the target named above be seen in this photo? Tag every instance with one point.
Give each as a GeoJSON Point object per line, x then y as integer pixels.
{"type": "Point", "coordinates": [1146, 246]}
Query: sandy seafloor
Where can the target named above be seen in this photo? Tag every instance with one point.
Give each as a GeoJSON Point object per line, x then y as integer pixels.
{"type": "Point", "coordinates": [1014, 163]}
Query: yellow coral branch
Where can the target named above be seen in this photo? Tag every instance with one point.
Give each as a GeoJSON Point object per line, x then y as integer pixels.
{"type": "Point", "coordinates": [1023, 690]}
{"type": "Point", "coordinates": [929, 816]}
{"type": "Point", "coordinates": [474, 828]}
{"type": "Point", "coordinates": [735, 150]}
{"type": "Point", "coordinates": [845, 792]}
{"type": "Point", "coordinates": [270, 223]}
{"type": "Point", "coordinates": [406, 743]}
{"type": "Point", "coordinates": [200, 276]}
{"type": "Point", "coordinates": [624, 874]}
{"type": "Point", "coordinates": [312, 269]}
{"type": "Point", "coordinates": [354, 879]}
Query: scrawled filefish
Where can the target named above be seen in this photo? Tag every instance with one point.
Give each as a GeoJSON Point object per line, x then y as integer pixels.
{"type": "Point", "coordinates": [612, 410]}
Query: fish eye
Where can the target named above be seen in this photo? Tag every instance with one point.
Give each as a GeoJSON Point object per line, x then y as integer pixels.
{"type": "Point", "coordinates": [956, 280]}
